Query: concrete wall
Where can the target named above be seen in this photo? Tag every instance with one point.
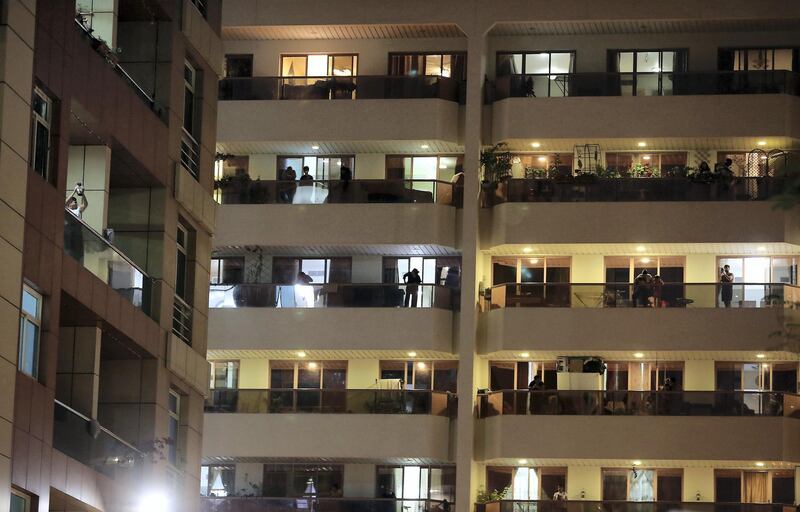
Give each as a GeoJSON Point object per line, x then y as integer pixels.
{"type": "Point", "coordinates": [358, 436]}
{"type": "Point", "coordinates": [336, 224]}
{"type": "Point", "coordinates": [631, 329]}
{"type": "Point", "coordinates": [690, 222]}
{"type": "Point", "coordinates": [322, 329]}
{"type": "Point", "coordinates": [617, 437]}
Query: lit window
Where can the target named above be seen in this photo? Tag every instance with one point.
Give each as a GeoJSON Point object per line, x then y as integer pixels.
{"type": "Point", "coordinates": [30, 326]}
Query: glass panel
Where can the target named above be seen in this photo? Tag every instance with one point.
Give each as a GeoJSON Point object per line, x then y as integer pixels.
{"type": "Point", "coordinates": [625, 62]}
{"type": "Point", "coordinates": [447, 65]}
{"type": "Point", "coordinates": [504, 270]}
{"type": "Point", "coordinates": [447, 167]}
{"type": "Point", "coordinates": [509, 64]}
{"type": "Point", "coordinates": [343, 65]}
{"type": "Point", "coordinates": [647, 84]}
{"type": "Point", "coordinates": [308, 376]}
{"type": "Point", "coordinates": [757, 60]}
{"type": "Point", "coordinates": [238, 66]}
{"type": "Point", "coordinates": [642, 485]}
{"type": "Point", "coordinates": [294, 66]}
{"type": "Point", "coordinates": [667, 62]}
{"type": "Point", "coordinates": [315, 269]}
{"type": "Point", "coordinates": [615, 485]}
{"type": "Point", "coordinates": [728, 489]}
{"type": "Point", "coordinates": [537, 63]}
{"type": "Point", "coordinates": [532, 270]}
{"type": "Point", "coordinates": [647, 62]}
{"type": "Point", "coordinates": [422, 375]}
{"type": "Point", "coordinates": [783, 60]}
{"type": "Point", "coordinates": [433, 65]}
{"type": "Point", "coordinates": [669, 488]}
{"type": "Point", "coordinates": [561, 63]}
{"type": "Point", "coordinates": [30, 304]}
{"type": "Point", "coordinates": [317, 65]}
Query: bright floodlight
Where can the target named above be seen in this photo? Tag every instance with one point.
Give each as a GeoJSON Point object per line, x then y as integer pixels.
{"type": "Point", "coordinates": [154, 502]}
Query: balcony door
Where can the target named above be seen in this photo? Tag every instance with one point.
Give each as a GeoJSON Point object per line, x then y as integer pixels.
{"type": "Point", "coordinates": [296, 386]}
{"type": "Point", "coordinates": [647, 72]}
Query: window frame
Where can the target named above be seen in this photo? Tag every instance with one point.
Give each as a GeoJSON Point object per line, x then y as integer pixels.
{"type": "Point", "coordinates": [613, 56]}
{"type": "Point", "coordinates": [519, 260]}
{"type": "Point", "coordinates": [26, 498]}
{"type": "Point", "coordinates": [283, 158]}
{"type": "Point", "coordinates": [240, 56]}
{"type": "Point", "coordinates": [36, 320]}
{"type": "Point", "coordinates": [329, 69]}
{"type": "Point", "coordinates": [217, 271]}
{"type": "Point", "coordinates": [201, 7]}
{"type": "Point", "coordinates": [230, 365]}
{"type": "Point", "coordinates": [174, 416]}
{"type": "Point", "coordinates": [746, 49]}
{"type": "Point", "coordinates": [423, 72]}
{"type": "Point", "coordinates": [182, 248]}
{"type": "Point", "coordinates": [46, 121]}
{"type": "Point", "coordinates": [190, 87]}
{"type": "Point", "coordinates": [525, 53]}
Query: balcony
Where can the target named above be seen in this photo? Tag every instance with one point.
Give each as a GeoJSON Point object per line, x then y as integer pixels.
{"type": "Point", "coordinates": [106, 262]}
{"type": "Point", "coordinates": [577, 106]}
{"type": "Point", "coordinates": [86, 441]}
{"type": "Point", "coordinates": [706, 428]}
{"type": "Point", "coordinates": [639, 403]}
{"type": "Point", "coordinates": [331, 401]}
{"type": "Point", "coordinates": [619, 506]}
{"type": "Point", "coordinates": [586, 317]}
{"type": "Point", "coordinates": [370, 108]}
{"type": "Point", "coordinates": [309, 504]}
{"type": "Point", "coordinates": [351, 424]}
{"type": "Point", "coordinates": [350, 316]}
{"type": "Point", "coordinates": [244, 191]}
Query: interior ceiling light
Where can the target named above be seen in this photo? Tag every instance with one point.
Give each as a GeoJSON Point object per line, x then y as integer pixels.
{"type": "Point", "coordinates": [424, 146]}
{"type": "Point", "coordinates": [301, 354]}
{"type": "Point", "coordinates": [638, 355]}
{"type": "Point", "coordinates": [640, 248]}
{"type": "Point", "coordinates": [315, 147]}
{"type": "Point", "coordinates": [525, 355]}
{"type": "Point", "coordinates": [527, 249]}
{"type": "Point", "coordinates": [536, 144]}
{"type": "Point", "coordinates": [761, 356]}
{"type": "Point", "coordinates": [412, 354]}
{"type": "Point", "coordinates": [642, 144]}
{"type": "Point", "coordinates": [762, 143]}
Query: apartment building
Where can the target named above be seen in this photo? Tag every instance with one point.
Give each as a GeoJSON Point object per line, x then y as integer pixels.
{"type": "Point", "coordinates": [530, 160]}
{"type": "Point", "coordinates": [106, 170]}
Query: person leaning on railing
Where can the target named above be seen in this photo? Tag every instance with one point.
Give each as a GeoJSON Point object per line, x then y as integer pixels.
{"type": "Point", "coordinates": [73, 231]}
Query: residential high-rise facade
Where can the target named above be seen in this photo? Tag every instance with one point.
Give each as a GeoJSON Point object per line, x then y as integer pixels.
{"type": "Point", "coordinates": [477, 255]}
{"type": "Point", "coordinates": [108, 127]}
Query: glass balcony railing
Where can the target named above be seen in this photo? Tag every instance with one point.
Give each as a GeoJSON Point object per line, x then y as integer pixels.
{"type": "Point", "coordinates": [244, 191]}
{"type": "Point", "coordinates": [330, 296]}
{"type": "Point", "coordinates": [598, 189]}
{"type": "Point", "coordinates": [340, 87]}
{"type": "Point", "coordinates": [101, 258]}
{"type": "Point", "coordinates": [623, 295]}
{"type": "Point", "coordinates": [335, 401]}
{"type": "Point", "coordinates": [315, 504]}
{"type": "Point", "coordinates": [646, 84]}
{"type": "Point", "coordinates": [639, 403]}
{"type": "Point", "coordinates": [87, 442]}
{"type": "Point", "coordinates": [625, 506]}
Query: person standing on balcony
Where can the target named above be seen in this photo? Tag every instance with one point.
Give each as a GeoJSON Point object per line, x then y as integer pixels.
{"type": "Point", "coordinates": [306, 179]}
{"type": "Point", "coordinates": [537, 384]}
{"type": "Point", "coordinates": [726, 285]}
{"type": "Point", "coordinates": [643, 289]}
{"type": "Point", "coordinates": [658, 289]}
{"type": "Point", "coordinates": [412, 281]}
{"type": "Point", "coordinates": [289, 176]}
{"type": "Point", "coordinates": [73, 230]}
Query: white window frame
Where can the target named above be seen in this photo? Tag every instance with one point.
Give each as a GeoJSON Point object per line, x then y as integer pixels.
{"type": "Point", "coordinates": [36, 320]}
{"type": "Point", "coordinates": [26, 498]}
{"type": "Point", "coordinates": [174, 415]}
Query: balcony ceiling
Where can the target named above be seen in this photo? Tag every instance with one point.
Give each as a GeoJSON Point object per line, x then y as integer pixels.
{"type": "Point", "coordinates": [621, 27]}
{"type": "Point", "coordinates": [649, 357]}
{"type": "Point", "coordinates": [327, 355]}
{"type": "Point", "coordinates": [740, 249]}
{"type": "Point", "coordinates": [415, 461]}
{"type": "Point", "coordinates": [654, 463]}
{"type": "Point", "coordinates": [343, 250]}
{"type": "Point", "coordinates": [372, 31]}
{"type": "Point", "coordinates": [401, 147]}
{"type": "Point", "coordinates": [656, 144]}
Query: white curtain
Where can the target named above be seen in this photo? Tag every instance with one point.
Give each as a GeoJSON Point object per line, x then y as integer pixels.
{"type": "Point", "coordinates": [641, 487]}
{"type": "Point", "coordinates": [526, 484]}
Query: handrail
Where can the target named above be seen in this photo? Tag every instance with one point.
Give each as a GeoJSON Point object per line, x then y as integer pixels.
{"type": "Point", "coordinates": [638, 403]}
{"type": "Point", "coordinates": [320, 504]}
{"type": "Point", "coordinates": [108, 244]}
{"type": "Point", "coordinates": [102, 428]}
{"type": "Point", "coordinates": [515, 505]}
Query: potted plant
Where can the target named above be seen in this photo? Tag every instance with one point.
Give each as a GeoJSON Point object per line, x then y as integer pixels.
{"type": "Point", "coordinates": [254, 296]}
{"type": "Point", "coordinates": [492, 496]}
{"type": "Point", "coordinates": [235, 188]}
{"type": "Point", "coordinates": [532, 173]}
{"type": "Point", "coordinates": [645, 171]}
{"type": "Point", "coordinates": [496, 170]}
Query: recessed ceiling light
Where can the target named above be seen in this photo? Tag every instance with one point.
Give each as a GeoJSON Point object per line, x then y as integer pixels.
{"type": "Point", "coordinates": [314, 147]}
{"type": "Point", "coordinates": [536, 144]}
{"type": "Point", "coordinates": [761, 356]}
{"type": "Point", "coordinates": [646, 157]}
{"type": "Point", "coordinates": [542, 159]}
{"type": "Point", "coordinates": [301, 354]}
{"type": "Point", "coordinates": [522, 461]}
{"type": "Point", "coordinates": [641, 144]}
{"type": "Point", "coordinates": [424, 146]}
{"type": "Point", "coordinates": [412, 354]}
{"type": "Point", "coordinates": [637, 463]}
{"type": "Point", "coordinates": [760, 464]}
{"type": "Point", "coordinates": [421, 365]}
{"type": "Point", "coordinates": [638, 355]}
{"type": "Point", "coordinates": [527, 249]}
{"type": "Point", "coordinates": [761, 248]}
{"type": "Point", "coordinates": [534, 261]}
{"type": "Point", "coordinates": [312, 366]}
{"type": "Point", "coordinates": [640, 248]}
{"type": "Point", "coordinates": [762, 143]}
{"type": "Point", "coordinates": [645, 260]}
{"type": "Point", "coordinates": [525, 355]}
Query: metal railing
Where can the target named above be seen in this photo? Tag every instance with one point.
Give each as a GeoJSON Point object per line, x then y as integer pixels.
{"type": "Point", "coordinates": [332, 401]}
{"type": "Point", "coordinates": [86, 441]}
{"type": "Point", "coordinates": [624, 295]}
{"type": "Point", "coordinates": [182, 320]}
{"type": "Point", "coordinates": [627, 506]}
{"type": "Point", "coordinates": [316, 504]}
{"type": "Point", "coordinates": [110, 56]}
{"type": "Point", "coordinates": [339, 87]}
{"type": "Point", "coordinates": [201, 6]}
{"type": "Point", "coordinates": [639, 403]}
{"type": "Point", "coordinates": [598, 189]}
{"type": "Point", "coordinates": [104, 260]}
{"type": "Point", "coordinates": [190, 153]}
{"type": "Point", "coordinates": [246, 191]}
{"type": "Point", "coordinates": [330, 296]}
{"type": "Point", "coordinates": [646, 84]}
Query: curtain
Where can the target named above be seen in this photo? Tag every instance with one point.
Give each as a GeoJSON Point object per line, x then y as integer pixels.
{"type": "Point", "coordinates": [641, 488]}
{"type": "Point", "coordinates": [526, 484]}
{"type": "Point", "coordinates": [755, 487]}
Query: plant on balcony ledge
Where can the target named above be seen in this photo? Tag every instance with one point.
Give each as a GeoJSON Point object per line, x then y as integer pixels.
{"type": "Point", "coordinates": [485, 496]}
{"type": "Point", "coordinates": [645, 171]}
{"type": "Point", "coordinates": [496, 165]}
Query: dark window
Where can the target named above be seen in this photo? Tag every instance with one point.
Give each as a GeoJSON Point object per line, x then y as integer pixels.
{"type": "Point", "coordinates": [297, 480]}
{"type": "Point", "coordinates": [783, 488]}
{"type": "Point", "coordinates": [784, 377]}
{"type": "Point", "coordinates": [669, 488]}
{"type": "Point", "coordinates": [181, 262]}
{"type": "Point", "coordinates": [615, 486]}
{"type": "Point", "coordinates": [498, 478]}
{"type": "Point", "coordinates": [728, 488]}
{"type": "Point", "coordinates": [551, 481]}
{"type": "Point", "coordinates": [445, 376]}
{"type": "Point", "coordinates": [238, 66]}
{"type": "Point", "coordinates": [227, 270]}
{"type": "Point", "coordinates": [201, 6]}
{"type": "Point", "coordinates": [41, 126]}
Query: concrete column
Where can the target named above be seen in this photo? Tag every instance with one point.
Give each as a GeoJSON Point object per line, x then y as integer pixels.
{"type": "Point", "coordinates": [466, 468]}
{"type": "Point", "coordinates": [91, 166]}
{"type": "Point", "coordinates": [699, 482]}
{"type": "Point", "coordinates": [78, 372]}
{"type": "Point", "coordinates": [584, 483]}
{"type": "Point", "coordinates": [698, 375]}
